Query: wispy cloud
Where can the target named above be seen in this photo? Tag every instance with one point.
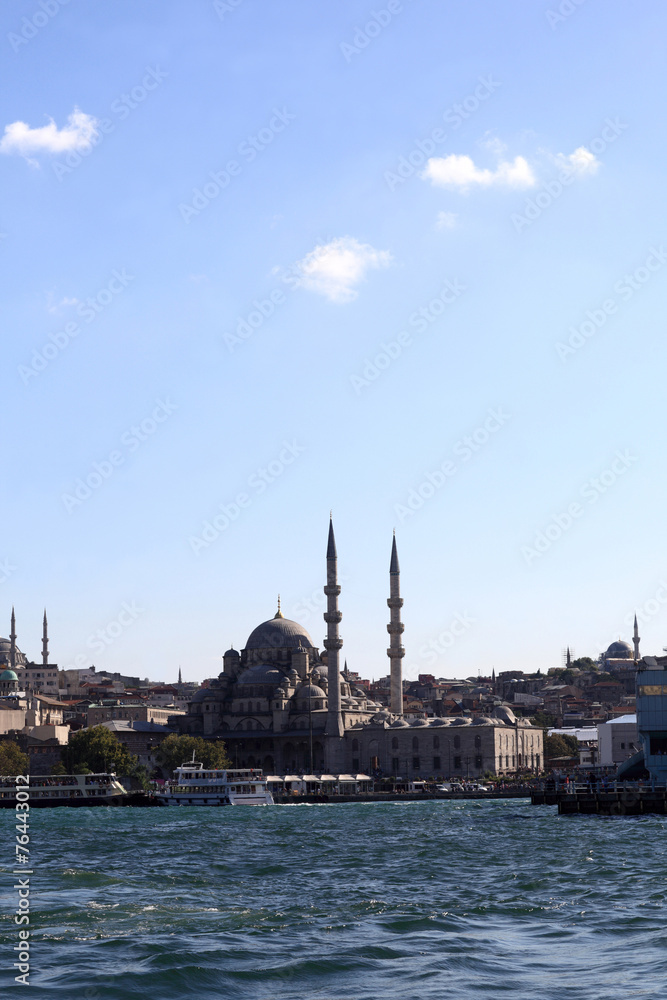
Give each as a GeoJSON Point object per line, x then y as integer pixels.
{"type": "Point", "coordinates": [460, 172]}
{"type": "Point", "coordinates": [334, 269]}
{"type": "Point", "coordinates": [446, 220]}
{"type": "Point", "coordinates": [55, 307]}
{"type": "Point", "coordinates": [79, 133]}
{"type": "Point", "coordinates": [582, 161]}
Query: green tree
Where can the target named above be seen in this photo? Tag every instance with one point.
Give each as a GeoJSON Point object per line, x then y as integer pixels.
{"type": "Point", "coordinates": [12, 759]}
{"type": "Point", "coordinates": [560, 746]}
{"type": "Point", "coordinates": [585, 663]}
{"type": "Point", "coordinates": [95, 750]}
{"type": "Point", "coordinates": [545, 720]}
{"type": "Point", "coordinates": [177, 750]}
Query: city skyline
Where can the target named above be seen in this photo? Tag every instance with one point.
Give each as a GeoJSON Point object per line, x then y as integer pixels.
{"type": "Point", "coordinates": [361, 257]}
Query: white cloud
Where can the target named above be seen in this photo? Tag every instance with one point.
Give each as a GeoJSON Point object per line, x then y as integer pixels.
{"type": "Point", "coordinates": [78, 133]}
{"type": "Point", "coordinates": [461, 172]}
{"type": "Point", "coordinates": [334, 269]}
{"type": "Point", "coordinates": [55, 307]}
{"type": "Point", "coordinates": [446, 220]}
{"type": "Point", "coordinates": [581, 162]}
{"type": "Point", "coordinates": [493, 143]}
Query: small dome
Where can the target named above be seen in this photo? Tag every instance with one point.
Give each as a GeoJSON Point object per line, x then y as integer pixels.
{"type": "Point", "coordinates": [381, 717]}
{"type": "Point", "coordinates": [232, 652]}
{"type": "Point", "coordinates": [440, 722]}
{"type": "Point", "coordinates": [309, 691]}
{"type": "Point", "coordinates": [460, 721]}
{"type": "Point", "coordinates": [505, 714]}
{"type": "Point", "coordinates": [8, 675]}
{"type": "Point", "coordinates": [419, 722]}
{"type": "Point", "coordinates": [399, 724]}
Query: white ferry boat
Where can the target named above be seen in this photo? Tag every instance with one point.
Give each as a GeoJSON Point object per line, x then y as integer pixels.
{"type": "Point", "coordinates": [64, 790]}
{"type": "Point", "coordinates": [195, 785]}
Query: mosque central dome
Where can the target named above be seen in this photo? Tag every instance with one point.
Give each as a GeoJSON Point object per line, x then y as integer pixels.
{"type": "Point", "coordinates": [279, 633]}
{"type": "Point", "coordinates": [619, 650]}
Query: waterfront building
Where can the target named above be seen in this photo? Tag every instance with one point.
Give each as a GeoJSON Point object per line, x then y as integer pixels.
{"type": "Point", "coordinates": [283, 705]}
{"type": "Point", "coordinates": [652, 714]}
{"type": "Point", "coordinates": [142, 739]}
{"type": "Point", "coordinates": [617, 740]}
{"type": "Point", "coordinates": [137, 711]}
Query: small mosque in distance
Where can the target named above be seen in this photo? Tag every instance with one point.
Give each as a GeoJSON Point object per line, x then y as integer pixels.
{"type": "Point", "coordinates": [283, 705]}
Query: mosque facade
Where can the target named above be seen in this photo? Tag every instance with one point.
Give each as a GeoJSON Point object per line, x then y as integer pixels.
{"type": "Point", "coordinates": [285, 706]}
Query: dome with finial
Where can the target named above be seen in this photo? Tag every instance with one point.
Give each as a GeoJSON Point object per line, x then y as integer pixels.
{"type": "Point", "coordinates": [619, 650]}
{"type": "Point", "coordinates": [279, 633]}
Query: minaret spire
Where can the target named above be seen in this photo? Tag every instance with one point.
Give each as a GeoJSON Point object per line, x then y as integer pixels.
{"type": "Point", "coordinates": [333, 642]}
{"type": "Point", "coordinates": [396, 652]}
{"type": "Point", "coordinates": [279, 613]}
{"type": "Point", "coordinates": [45, 641]}
{"type": "Point", "coordinates": [568, 659]}
{"type": "Point", "coordinates": [635, 641]}
{"type": "Point", "coordinates": [12, 642]}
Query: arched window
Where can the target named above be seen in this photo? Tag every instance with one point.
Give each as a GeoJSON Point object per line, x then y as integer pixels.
{"type": "Point", "coordinates": [355, 744]}
{"type": "Point", "coordinates": [394, 743]}
{"type": "Point", "coordinates": [259, 707]}
{"type": "Point", "coordinates": [241, 706]}
{"type": "Point", "coordinates": [478, 742]}
{"type": "Point", "coordinates": [415, 743]}
{"type": "Point", "coordinates": [436, 742]}
{"type": "Point", "coordinates": [457, 742]}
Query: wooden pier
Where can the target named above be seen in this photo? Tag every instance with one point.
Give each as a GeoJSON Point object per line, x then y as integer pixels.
{"type": "Point", "coordinates": [623, 799]}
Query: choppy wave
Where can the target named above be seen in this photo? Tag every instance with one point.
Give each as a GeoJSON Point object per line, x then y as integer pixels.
{"type": "Point", "coordinates": [417, 901]}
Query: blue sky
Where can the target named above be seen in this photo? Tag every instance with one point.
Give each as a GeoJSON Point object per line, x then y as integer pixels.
{"type": "Point", "coordinates": [405, 261]}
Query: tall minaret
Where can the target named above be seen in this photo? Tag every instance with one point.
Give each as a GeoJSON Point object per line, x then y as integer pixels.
{"type": "Point", "coordinates": [635, 641]}
{"type": "Point", "coordinates": [45, 641]}
{"type": "Point", "coordinates": [12, 642]}
{"type": "Point", "coordinates": [568, 659]}
{"type": "Point", "coordinates": [396, 652]}
{"type": "Point", "coordinates": [332, 644]}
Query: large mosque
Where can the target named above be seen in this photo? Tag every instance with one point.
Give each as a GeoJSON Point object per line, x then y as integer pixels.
{"type": "Point", "coordinates": [285, 706]}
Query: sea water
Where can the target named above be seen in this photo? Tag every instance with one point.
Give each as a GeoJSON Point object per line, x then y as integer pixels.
{"type": "Point", "coordinates": [414, 900]}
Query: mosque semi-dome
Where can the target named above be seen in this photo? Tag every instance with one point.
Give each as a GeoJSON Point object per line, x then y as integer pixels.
{"type": "Point", "coordinates": [205, 694]}
{"type": "Point", "coordinates": [279, 633]}
{"type": "Point", "coordinates": [261, 673]}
